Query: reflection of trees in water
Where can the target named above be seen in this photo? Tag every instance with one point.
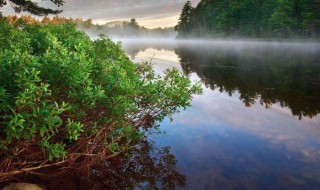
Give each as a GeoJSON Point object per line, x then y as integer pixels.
{"type": "Point", "coordinates": [144, 167]}
{"type": "Point", "coordinates": [268, 75]}
{"type": "Point", "coordinates": [147, 167]}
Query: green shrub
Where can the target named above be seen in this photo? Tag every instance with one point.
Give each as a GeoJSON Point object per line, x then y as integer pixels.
{"type": "Point", "coordinates": [64, 96]}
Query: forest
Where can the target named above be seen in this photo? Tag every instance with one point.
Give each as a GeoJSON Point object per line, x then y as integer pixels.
{"type": "Point", "coordinates": [250, 19]}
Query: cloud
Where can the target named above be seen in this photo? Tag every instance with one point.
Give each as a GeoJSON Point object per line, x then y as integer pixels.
{"type": "Point", "coordinates": [163, 13]}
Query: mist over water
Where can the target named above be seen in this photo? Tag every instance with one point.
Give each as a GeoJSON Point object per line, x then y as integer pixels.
{"type": "Point", "coordinates": [243, 51]}
{"type": "Point", "coordinates": [220, 43]}
{"type": "Point", "coordinates": [257, 125]}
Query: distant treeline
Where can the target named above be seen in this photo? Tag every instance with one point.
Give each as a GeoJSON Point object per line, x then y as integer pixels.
{"type": "Point", "coordinates": [112, 29]}
{"type": "Point", "coordinates": [13, 19]}
{"type": "Point", "coordinates": [133, 29]}
{"type": "Point", "coordinates": [250, 18]}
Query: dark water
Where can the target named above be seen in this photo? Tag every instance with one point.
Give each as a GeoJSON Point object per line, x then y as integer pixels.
{"type": "Point", "coordinates": [257, 124]}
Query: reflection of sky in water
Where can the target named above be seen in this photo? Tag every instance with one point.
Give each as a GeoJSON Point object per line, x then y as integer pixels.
{"type": "Point", "coordinates": [164, 55]}
{"type": "Point", "coordinates": [221, 144]}
{"type": "Point", "coordinates": [161, 59]}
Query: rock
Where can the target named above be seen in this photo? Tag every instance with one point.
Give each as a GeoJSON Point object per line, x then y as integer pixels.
{"type": "Point", "coordinates": [22, 186]}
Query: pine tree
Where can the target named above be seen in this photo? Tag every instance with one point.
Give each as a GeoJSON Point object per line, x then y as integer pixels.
{"type": "Point", "coordinates": [282, 22]}
{"type": "Point", "coordinates": [183, 27]}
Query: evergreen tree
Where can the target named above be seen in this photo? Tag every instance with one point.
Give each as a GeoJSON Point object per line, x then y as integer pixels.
{"type": "Point", "coordinates": [281, 22]}
{"type": "Point", "coordinates": [184, 24]}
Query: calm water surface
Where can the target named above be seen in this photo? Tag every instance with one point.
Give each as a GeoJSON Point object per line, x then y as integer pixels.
{"type": "Point", "coordinates": [257, 124]}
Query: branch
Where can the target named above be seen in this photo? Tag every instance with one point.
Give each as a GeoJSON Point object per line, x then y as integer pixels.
{"type": "Point", "coordinates": [33, 8]}
{"type": "Point", "coordinates": [15, 172]}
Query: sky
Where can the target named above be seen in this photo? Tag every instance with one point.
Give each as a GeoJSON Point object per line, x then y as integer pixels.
{"type": "Point", "coordinates": [148, 13]}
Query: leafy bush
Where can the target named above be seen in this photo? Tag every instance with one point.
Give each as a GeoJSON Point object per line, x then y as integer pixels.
{"type": "Point", "coordinates": [66, 98]}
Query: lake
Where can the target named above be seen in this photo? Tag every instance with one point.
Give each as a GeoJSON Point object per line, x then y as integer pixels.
{"type": "Point", "coordinates": [257, 124]}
